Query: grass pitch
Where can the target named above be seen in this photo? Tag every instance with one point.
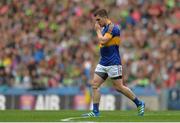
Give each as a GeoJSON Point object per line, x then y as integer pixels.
{"type": "Point", "coordinates": [75, 116]}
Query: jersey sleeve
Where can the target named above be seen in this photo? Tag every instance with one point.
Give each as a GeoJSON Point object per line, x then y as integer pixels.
{"type": "Point", "coordinates": [115, 31]}
{"type": "Point", "coordinates": [109, 31]}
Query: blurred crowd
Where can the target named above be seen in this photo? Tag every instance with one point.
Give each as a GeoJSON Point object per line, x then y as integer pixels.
{"type": "Point", "coordinates": [52, 43]}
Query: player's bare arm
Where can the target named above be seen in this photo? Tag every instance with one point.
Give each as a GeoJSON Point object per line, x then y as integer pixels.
{"type": "Point", "coordinates": [102, 39]}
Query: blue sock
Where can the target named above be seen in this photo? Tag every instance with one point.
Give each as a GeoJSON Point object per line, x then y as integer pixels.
{"type": "Point", "coordinates": [137, 102]}
{"type": "Point", "coordinates": [96, 107]}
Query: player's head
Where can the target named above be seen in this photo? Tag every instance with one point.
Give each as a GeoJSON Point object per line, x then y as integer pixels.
{"type": "Point", "coordinates": [101, 17]}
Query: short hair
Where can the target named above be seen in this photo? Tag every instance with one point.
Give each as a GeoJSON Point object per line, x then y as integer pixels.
{"type": "Point", "coordinates": [101, 13]}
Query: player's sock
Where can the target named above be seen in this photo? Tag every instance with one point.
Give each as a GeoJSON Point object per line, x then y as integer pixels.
{"type": "Point", "coordinates": [96, 108]}
{"type": "Point", "coordinates": [137, 102]}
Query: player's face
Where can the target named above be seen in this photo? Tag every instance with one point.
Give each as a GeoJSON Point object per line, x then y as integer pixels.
{"type": "Point", "coordinates": [100, 20]}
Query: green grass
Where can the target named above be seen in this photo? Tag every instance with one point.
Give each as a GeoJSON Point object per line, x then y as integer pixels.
{"type": "Point", "coordinates": [106, 116]}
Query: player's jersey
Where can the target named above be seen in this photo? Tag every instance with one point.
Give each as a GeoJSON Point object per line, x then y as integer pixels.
{"type": "Point", "coordinates": [110, 51]}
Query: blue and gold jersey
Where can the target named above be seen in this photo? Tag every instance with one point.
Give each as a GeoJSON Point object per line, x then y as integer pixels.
{"type": "Point", "coordinates": [110, 51]}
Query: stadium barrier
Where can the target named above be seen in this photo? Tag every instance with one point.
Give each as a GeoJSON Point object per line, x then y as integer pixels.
{"type": "Point", "coordinates": [173, 99]}
{"type": "Point", "coordinates": [78, 99]}
{"type": "Point", "coordinates": [56, 99]}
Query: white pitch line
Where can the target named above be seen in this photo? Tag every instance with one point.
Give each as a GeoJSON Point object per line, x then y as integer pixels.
{"type": "Point", "coordinates": [74, 118]}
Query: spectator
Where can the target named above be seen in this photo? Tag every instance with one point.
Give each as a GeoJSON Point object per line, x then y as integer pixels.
{"type": "Point", "coordinates": [50, 43]}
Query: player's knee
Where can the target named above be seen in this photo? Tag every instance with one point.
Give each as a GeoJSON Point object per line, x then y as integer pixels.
{"type": "Point", "coordinates": [95, 85]}
{"type": "Point", "coordinates": [118, 85]}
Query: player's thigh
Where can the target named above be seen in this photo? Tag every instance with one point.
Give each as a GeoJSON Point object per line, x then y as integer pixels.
{"type": "Point", "coordinates": [97, 81]}
{"type": "Point", "coordinates": [114, 71]}
{"type": "Point", "coordinates": [118, 83]}
{"type": "Point", "coordinates": [99, 76]}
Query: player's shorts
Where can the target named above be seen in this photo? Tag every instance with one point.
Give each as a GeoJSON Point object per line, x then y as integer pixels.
{"type": "Point", "coordinates": [113, 71]}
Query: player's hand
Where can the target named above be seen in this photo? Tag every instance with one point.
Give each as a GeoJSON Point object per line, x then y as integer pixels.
{"type": "Point", "coordinates": [97, 26]}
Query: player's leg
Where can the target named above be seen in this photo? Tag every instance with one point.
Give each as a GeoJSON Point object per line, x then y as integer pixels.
{"type": "Point", "coordinates": [99, 77]}
{"type": "Point", "coordinates": [118, 85]}
{"type": "Point", "coordinates": [115, 73]}
{"type": "Point", "coordinates": [95, 87]}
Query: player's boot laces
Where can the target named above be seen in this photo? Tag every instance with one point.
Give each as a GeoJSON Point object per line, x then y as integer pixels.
{"type": "Point", "coordinates": [90, 114]}
{"type": "Point", "coordinates": [141, 109]}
